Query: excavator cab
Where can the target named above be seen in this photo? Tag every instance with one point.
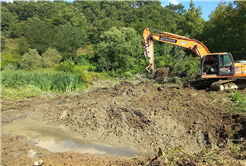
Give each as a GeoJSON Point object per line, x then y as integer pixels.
{"type": "Point", "coordinates": [221, 64]}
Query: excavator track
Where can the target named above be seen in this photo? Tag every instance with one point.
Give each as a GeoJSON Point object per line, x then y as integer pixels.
{"type": "Point", "coordinates": [236, 84]}
{"type": "Point", "coordinates": [217, 84]}
{"type": "Point", "coordinates": [198, 83]}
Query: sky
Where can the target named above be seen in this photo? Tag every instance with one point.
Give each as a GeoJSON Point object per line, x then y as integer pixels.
{"type": "Point", "coordinates": [207, 6]}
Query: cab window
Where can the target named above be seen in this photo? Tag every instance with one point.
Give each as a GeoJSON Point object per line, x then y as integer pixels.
{"type": "Point", "coordinates": [225, 60]}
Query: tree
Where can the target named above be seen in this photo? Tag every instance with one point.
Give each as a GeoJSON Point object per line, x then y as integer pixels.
{"type": "Point", "coordinates": [39, 34]}
{"type": "Point", "coordinates": [226, 29]}
{"type": "Point", "coordinates": [2, 41]}
{"type": "Point", "coordinates": [63, 12]}
{"type": "Point", "coordinates": [68, 39]}
{"type": "Point", "coordinates": [177, 8]}
{"type": "Point", "coordinates": [138, 4]}
{"type": "Point", "coordinates": [23, 45]}
{"type": "Point", "coordinates": [24, 9]}
{"type": "Point", "coordinates": [31, 60]}
{"type": "Point", "coordinates": [118, 49]}
{"type": "Point", "coordinates": [7, 18]}
{"type": "Point", "coordinates": [193, 24]}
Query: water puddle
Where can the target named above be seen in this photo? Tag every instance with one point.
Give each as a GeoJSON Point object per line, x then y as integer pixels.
{"type": "Point", "coordinates": [56, 139]}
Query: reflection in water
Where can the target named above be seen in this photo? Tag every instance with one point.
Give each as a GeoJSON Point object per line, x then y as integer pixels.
{"type": "Point", "coordinates": [56, 139]}
{"type": "Point", "coordinates": [92, 148]}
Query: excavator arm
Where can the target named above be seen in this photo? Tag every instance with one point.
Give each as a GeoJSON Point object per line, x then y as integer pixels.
{"type": "Point", "coordinates": [148, 45]}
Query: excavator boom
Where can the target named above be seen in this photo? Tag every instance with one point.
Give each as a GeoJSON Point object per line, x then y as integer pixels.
{"type": "Point", "coordinates": [198, 47]}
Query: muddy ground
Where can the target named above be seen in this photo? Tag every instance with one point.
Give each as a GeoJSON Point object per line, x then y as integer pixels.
{"type": "Point", "coordinates": [143, 116]}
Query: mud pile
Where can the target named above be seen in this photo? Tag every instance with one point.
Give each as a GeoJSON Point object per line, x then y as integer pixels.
{"type": "Point", "coordinates": [141, 116]}
{"type": "Point", "coordinates": [161, 74]}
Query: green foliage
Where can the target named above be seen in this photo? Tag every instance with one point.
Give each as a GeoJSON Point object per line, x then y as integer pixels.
{"type": "Point", "coordinates": [226, 29]}
{"type": "Point", "coordinates": [23, 46]}
{"type": "Point", "coordinates": [177, 8]}
{"type": "Point", "coordinates": [51, 57]}
{"type": "Point", "coordinates": [176, 60]}
{"type": "Point", "coordinates": [67, 26]}
{"type": "Point", "coordinates": [2, 41]}
{"type": "Point", "coordinates": [194, 23]}
{"type": "Point", "coordinates": [82, 59]}
{"type": "Point", "coordinates": [68, 39]}
{"type": "Point", "coordinates": [31, 60]}
{"type": "Point", "coordinates": [66, 66]}
{"type": "Point", "coordinates": [239, 102]}
{"type": "Point", "coordinates": [139, 67]}
{"type": "Point", "coordinates": [7, 18]}
{"type": "Point", "coordinates": [138, 4]}
{"type": "Point", "coordinates": [9, 58]}
{"type": "Point", "coordinates": [39, 34]}
{"type": "Point", "coordinates": [45, 80]}
{"type": "Point", "coordinates": [235, 149]}
{"type": "Point", "coordinates": [192, 66]}
{"type": "Point", "coordinates": [118, 49]}
{"type": "Point", "coordinates": [27, 91]}
{"type": "Point", "coordinates": [80, 71]}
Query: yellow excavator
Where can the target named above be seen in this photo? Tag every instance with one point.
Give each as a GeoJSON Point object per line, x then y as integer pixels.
{"type": "Point", "coordinates": [218, 70]}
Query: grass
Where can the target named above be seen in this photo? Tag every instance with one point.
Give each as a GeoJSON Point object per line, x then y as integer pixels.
{"type": "Point", "coordinates": [239, 104]}
{"type": "Point", "coordinates": [22, 92]}
{"type": "Point", "coordinates": [45, 80]}
{"type": "Point", "coordinates": [215, 156]}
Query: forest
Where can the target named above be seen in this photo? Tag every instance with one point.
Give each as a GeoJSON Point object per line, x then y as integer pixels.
{"type": "Point", "coordinates": [64, 46]}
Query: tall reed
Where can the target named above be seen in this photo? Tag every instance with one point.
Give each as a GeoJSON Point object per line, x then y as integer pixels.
{"type": "Point", "coordinates": [46, 80]}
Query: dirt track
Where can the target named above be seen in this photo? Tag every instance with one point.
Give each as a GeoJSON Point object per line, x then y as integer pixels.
{"type": "Point", "coordinates": [140, 116]}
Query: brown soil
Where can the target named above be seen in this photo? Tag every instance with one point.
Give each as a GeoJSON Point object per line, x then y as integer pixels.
{"type": "Point", "coordinates": [142, 116]}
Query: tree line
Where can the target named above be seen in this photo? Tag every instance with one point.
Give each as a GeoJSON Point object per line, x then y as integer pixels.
{"type": "Point", "coordinates": [48, 33]}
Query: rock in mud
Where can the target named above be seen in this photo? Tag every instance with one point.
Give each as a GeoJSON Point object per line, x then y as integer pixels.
{"type": "Point", "coordinates": [39, 163]}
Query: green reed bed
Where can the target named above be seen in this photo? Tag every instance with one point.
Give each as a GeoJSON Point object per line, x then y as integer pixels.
{"type": "Point", "coordinates": [46, 80]}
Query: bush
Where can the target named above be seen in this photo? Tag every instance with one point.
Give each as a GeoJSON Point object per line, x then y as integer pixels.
{"type": "Point", "coordinates": [66, 66]}
{"type": "Point", "coordinates": [9, 57]}
{"type": "Point", "coordinates": [80, 71]}
{"type": "Point", "coordinates": [51, 57]}
{"type": "Point", "coordinates": [31, 60]}
{"type": "Point", "coordinates": [10, 67]}
{"type": "Point", "coordinates": [176, 60]}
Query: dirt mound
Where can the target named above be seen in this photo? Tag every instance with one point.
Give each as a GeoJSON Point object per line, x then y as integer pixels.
{"type": "Point", "coordinates": [161, 74]}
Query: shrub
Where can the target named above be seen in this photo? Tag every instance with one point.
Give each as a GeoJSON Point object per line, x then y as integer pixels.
{"type": "Point", "coordinates": [80, 71]}
{"type": "Point", "coordinates": [66, 66]}
{"type": "Point", "coordinates": [9, 57]}
{"type": "Point", "coordinates": [176, 60]}
{"type": "Point", "coordinates": [31, 60]}
{"type": "Point", "coordinates": [10, 67]}
{"type": "Point", "coordinates": [51, 57]}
